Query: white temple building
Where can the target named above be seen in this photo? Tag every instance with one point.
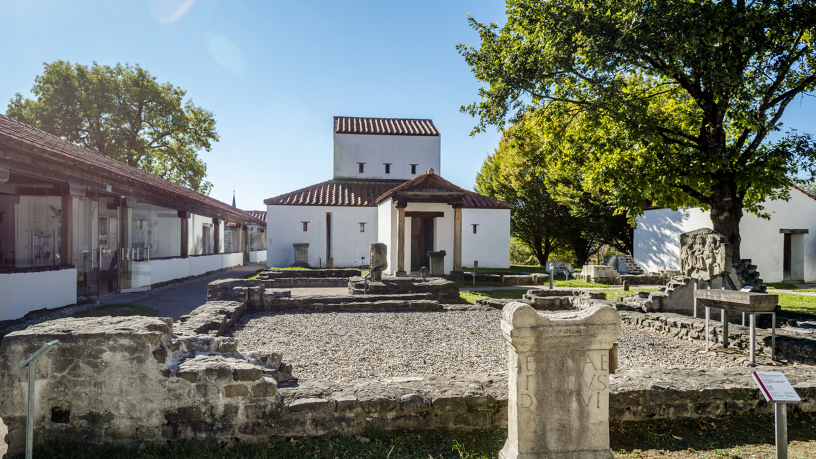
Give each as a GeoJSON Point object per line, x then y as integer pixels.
{"type": "Point", "coordinates": [387, 188]}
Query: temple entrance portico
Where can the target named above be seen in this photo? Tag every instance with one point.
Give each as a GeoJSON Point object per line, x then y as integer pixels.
{"type": "Point", "coordinates": [422, 215]}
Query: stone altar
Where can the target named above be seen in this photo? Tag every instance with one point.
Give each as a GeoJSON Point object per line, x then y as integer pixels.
{"type": "Point", "coordinates": [301, 255]}
{"type": "Point", "coordinates": [437, 262]}
{"type": "Point", "coordinates": [379, 260]}
{"type": "Point", "coordinates": [558, 394]}
{"type": "Point", "coordinates": [704, 254]}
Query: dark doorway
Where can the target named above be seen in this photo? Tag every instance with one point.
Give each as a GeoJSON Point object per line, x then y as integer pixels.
{"type": "Point", "coordinates": [786, 258]}
{"type": "Point", "coordinates": [328, 237]}
{"type": "Point", "coordinates": [422, 239]}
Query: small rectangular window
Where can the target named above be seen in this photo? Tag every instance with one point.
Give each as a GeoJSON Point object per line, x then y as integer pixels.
{"type": "Point", "coordinates": [474, 229]}
{"type": "Point", "coordinates": [360, 167]}
{"type": "Point", "coordinates": [362, 227]}
{"type": "Point", "coordinates": [305, 226]}
{"type": "Point", "coordinates": [413, 168]}
{"type": "Point", "coordinates": [387, 168]}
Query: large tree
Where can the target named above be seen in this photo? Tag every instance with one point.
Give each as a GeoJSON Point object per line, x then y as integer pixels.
{"type": "Point", "coordinates": [670, 101]}
{"type": "Point", "coordinates": [537, 219]}
{"type": "Point", "coordinates": [122, 112]}
{"type": "Point", "coordinates": [552, 212]}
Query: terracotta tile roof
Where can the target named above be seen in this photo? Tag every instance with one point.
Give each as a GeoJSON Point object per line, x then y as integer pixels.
{"type": "Point", "coordinates": [384, 126]}
{"type": "Point", "coordinates": [364, 193]}
{"type": "Point", "coordinates": [36, 142]}
{"type": "Point", "coordinates": [259, 214]}
{"type": "Point", "coordinates": [429, 181]}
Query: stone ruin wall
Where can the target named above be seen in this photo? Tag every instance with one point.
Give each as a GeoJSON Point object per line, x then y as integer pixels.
{"type": "Point", "coordinates": [139, 379]}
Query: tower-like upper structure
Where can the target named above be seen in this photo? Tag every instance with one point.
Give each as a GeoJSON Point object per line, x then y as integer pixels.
{"type": "Point", "coordinates": [385, 148]}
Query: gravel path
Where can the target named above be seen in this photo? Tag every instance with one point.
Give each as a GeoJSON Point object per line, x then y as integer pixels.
{"type": "Point", "coordinates": [360, 345]}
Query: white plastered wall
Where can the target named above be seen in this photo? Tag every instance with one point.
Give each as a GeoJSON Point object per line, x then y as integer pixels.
{"type": "Point", "coordinates": [284, 227]}
{"type": "Point", "coordinates": [21, 293]}
{"type": "Point", "coordinates": [375, 150]}
{"type": "Point", "coordinates": [490, 246]}
{"type": "Point", "coordinates": [657, 236]}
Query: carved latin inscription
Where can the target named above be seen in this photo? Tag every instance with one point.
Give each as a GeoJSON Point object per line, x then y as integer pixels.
{"type": "Point", "coordinates": [564, 382]}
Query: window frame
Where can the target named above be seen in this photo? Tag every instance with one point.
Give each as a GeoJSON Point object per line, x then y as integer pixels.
{"type": "Point", "coordinates": [360, 168]}
{"type": "Point", "coordinates": [305, 226]}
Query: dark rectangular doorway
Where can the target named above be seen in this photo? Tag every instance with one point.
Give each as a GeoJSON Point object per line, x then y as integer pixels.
{"type": "Point", "coordinates": [786, 258]}
{"type": "Point", "coordinates": [422, 239]}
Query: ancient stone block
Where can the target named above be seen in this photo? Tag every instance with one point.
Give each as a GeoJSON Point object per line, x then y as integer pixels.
{"type": "Point", "coordinates": [379, 260]}
{"type": "Point", "coordinates": [558, 400]}
{"type": "Point", "coordinates": [437, 262]}
{"type": "Point", "coordinates": [236, 390]}
{"type": "Point", "coordinates": [704, 254]}
{"type": "Point", "coordinates": [246, 374]}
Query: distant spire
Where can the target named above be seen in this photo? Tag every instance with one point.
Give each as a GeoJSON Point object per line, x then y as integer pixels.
{"type": "Point", "coordinates": [233, 196]}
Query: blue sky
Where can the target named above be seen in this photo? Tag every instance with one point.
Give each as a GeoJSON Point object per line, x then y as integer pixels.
{"type": "Point", "coordinates": [274, 73]}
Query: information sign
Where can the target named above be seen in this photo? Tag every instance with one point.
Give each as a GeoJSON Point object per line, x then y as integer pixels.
{"type": "Point", "coordinates": [775, 386]}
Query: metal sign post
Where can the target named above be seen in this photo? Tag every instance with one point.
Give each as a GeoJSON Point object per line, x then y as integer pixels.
{"type": "Point", "coordinates": [31, 362]}
{"type": "Point", "coordinates": [776, 389]}
{"type": "Point", "coordinates": [550, 275]}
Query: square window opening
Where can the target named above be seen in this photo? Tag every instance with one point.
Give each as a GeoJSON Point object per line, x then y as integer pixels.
{"type": "Point", "coordinates": [413, 168]}
{"type": "Point", "coordinates": [305, 226]}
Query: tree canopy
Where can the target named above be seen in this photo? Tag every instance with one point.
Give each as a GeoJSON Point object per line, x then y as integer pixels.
{"type": "Point", "coordinates": [670, 102]}
{"type": "Point", "coordinates": [122, 112]}
{"type": "Point", "coordinates": [552, 213]}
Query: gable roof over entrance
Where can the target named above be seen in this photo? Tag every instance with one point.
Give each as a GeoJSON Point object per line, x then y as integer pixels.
{"type": "Point", "coordinates": [369, 193]}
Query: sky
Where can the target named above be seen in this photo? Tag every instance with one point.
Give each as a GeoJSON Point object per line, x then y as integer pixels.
{"type": "Point", "coordinates": [274, 73]}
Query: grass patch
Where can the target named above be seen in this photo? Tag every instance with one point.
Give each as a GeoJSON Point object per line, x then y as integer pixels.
{"type": "Point", "coordinates": [513, 269]}
{"type": "Point", "coordinates": [782, 285]}
{"type": "Point", "coordinates": [289, 268]}
{"type": "Point", "coordinates": [733, 437]}
{"type": "Point", "coordinates": [117, 310]}
{"type": "Point", "coordinates": [802, 304]}
{"type": "Point", "coordinates": [252, 275]}
{"type": "Point", "coordinates": [372, 444]}
{"type": "Point", "coordinates": [577, 283]}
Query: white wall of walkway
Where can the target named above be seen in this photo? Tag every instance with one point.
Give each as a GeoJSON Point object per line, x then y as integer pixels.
{"type": "Point", "coordinates": [21, 293]}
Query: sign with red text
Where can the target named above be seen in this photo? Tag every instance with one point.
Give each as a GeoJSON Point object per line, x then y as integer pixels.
{"type": "Point", "coordinates": [775, 386]}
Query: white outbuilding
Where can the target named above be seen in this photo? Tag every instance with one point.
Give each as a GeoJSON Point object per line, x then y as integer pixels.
{"type": "Point", "coordinates": [783, 248]}
{"type": "Point", "coordinates": [387, 188]}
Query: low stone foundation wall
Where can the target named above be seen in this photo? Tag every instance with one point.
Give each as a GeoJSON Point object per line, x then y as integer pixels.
{"type": "Point", "coordinates": [441, 290]}
{"type": "Point", "coordinates": [644, 279]}
{"type": "Point", "coordinates": [509, 279]}
{"type": "Point", "coordinates": [312, 273]}
{"type": "Point", "coordinates": [788, 346]}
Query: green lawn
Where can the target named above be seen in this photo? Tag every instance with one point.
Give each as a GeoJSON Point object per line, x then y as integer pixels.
{"type": "Point", "coordinates": [782, 285]}
{"type": "Point", "coordinates": [511, 293]}
{"type": "Point", "coordinates": [513, 269]}
{"type": "Point", "coordinates": [740, 436]}
{"type": "Point", "coordinates": [791, 302]}
{"type": "Point", "coordinates": [117, 310]}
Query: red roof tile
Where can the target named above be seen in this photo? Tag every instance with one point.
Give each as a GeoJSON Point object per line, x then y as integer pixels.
{"type": "Point", "coordinates": [259, 214]}
{"type": "Point", "coordinates": [34, 141]}
{"type": "Point", "coordinates": [365, 193]}
{"type": "Point", "coordinates": [384, 126]}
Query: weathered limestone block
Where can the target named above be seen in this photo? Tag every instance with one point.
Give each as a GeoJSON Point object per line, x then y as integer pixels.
{"type": "Point", "coordinates": [313, 273]}
{"type": "Point", "coordinates": [704, 254]}
{"type": "Point", "coordinates": [437, 262]}
{"type": "Point", "coordinates": [379, 260]}
{"type": "Point", "coordinates": [442, 290]}
{"type": "Point", "coordinates": [558, 392]}
{"type": "Point", "coordinates": [213, 316]}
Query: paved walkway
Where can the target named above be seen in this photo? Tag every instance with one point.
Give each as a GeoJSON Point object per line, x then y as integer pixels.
{"type": "Point", "coordinates": [176, 300]}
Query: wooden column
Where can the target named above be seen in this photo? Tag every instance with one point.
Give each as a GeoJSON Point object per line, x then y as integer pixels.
{"type": "Point", "coordinates": [401, 239]}
{"type": "Point", "coordinates": [216, 235]}
{"type": "Point", "coordinates": [457, 238]}
{"type": "Point", "coordinates": [185, 232]}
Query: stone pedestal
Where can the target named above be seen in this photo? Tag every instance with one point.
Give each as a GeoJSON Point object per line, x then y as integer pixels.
{"type": "Point", "coordinates": [301, 255]}
{"type": "Point", "coordinates": [379, 260]}
{"type": "Point", "coordinates": [558, 393]}
{"type": "Point", "coordinates": [437, 262]}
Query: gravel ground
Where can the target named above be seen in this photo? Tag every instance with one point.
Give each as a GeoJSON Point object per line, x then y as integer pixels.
{"type": "Point", "coordinates": [359, 345]}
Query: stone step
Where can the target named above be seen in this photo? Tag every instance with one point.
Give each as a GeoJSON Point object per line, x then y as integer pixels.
{"type": "Point", "coordinates": [362, 298]}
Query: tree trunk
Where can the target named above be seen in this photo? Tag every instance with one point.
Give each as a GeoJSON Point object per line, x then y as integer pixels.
{"type": "Point", "coordinates": [540, 252]}
{"type": "Point", "coordinates": [726, 212]}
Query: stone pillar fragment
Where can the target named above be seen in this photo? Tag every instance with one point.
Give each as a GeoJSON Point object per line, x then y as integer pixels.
{"type": "Point", "coordinates": [378, 260]}
{"type": "Point", "coordinates": [558, 394]}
